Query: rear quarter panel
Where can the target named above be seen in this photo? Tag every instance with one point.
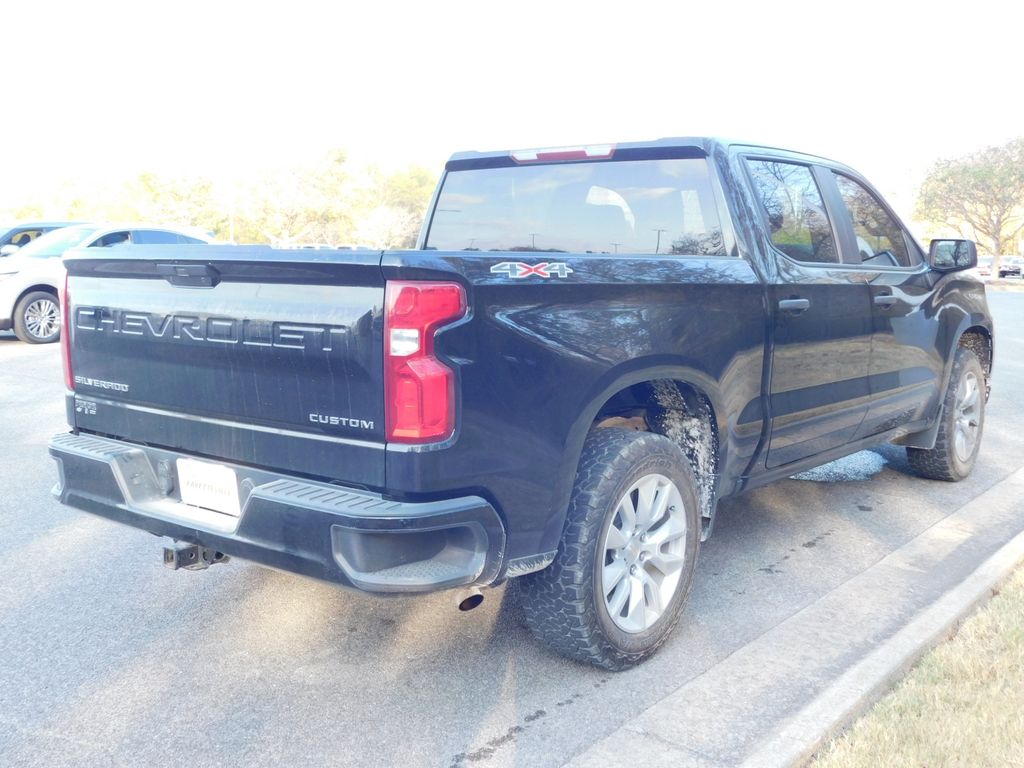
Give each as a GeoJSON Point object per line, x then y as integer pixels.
{"type": "Point", "coordinates": [538, 357]}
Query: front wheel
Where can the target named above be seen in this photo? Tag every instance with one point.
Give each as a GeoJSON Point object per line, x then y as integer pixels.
{"type": "Point", "coordinates": [37, 318]}
{"type": "Point", "coordinates": [963, 420]}
{"type": "Point", "coordinates": [625, 565]}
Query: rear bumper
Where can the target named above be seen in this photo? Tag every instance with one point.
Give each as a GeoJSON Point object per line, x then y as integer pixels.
{"type": "Point", "coordinates": [343, 535]}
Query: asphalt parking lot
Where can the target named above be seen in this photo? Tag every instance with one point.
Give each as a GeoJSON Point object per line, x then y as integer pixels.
{"type": "Point", "coordinates": [107, 658]}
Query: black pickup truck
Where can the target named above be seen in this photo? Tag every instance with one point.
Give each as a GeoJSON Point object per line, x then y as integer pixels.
{"type": "Point", "coordinates": [589, 349]}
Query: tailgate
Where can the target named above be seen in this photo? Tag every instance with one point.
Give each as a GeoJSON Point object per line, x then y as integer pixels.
{"type": "Point", "coordinates": [250, 354]}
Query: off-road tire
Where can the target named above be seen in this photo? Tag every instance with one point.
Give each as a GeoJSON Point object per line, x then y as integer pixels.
{"type": "Point", "coordinates": [21, 326]}
{"type": "Point", "coordinates": [563, 605]}
{"type": "Point", "coordinates": [942, 461]}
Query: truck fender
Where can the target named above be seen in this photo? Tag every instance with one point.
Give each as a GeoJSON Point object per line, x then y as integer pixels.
{"type": "Point", "coordinates": [617, 379]}
{"type": "Point", "coordinates": [926, 438]}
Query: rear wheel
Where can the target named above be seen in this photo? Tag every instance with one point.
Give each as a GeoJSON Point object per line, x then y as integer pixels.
{"type": "Point", "coordinates": [963, 420]}
{"type": "Point", "coordinates": [624, 568]}
{"type": "Point", "coordinates": [37, 318]}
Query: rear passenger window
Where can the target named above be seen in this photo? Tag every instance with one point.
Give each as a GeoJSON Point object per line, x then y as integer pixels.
{"type": "Point", "coordinates": [797, 221]}
{"type": "Point", "coordinates": [880, 240]}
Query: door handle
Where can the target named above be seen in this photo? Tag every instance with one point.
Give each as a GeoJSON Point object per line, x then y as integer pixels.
{"type": "Point", "coordinates": [885, 299]}
{"type": "Point", "coordinates": [796, 306]}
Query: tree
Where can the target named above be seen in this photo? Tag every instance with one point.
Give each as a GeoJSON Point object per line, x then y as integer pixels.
{"type": "Point", "coordinates": [983, 191]}
{"type": "Point", "coordinates": [160, 199]}
{"type": "Point", "coordinates": [386, 226]}
{"type": "Point", "coordinates": [325, 201]}
{"type": "Point", "coordinates": [299, 204]}
{"type": "Point", "coordinates": [390, 209]}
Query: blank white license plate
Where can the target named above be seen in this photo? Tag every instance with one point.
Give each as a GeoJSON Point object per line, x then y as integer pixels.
{"type": "Point", "coordinates": [210, 486]}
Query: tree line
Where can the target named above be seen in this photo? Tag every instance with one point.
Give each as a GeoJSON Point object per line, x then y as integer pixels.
{"type": "Point", "coordinates": [323, 202]}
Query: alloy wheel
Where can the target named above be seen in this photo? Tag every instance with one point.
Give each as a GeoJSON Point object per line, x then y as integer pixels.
{"type": "Point", "coordinates": [967, 416]}
{"type": "Point", "coordinates": [644, 553]}
{"type": "Point", "coordinates": [42, 318]}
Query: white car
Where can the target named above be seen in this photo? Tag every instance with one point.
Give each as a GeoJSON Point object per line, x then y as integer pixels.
{"type": "Point", "coordinates": [30, 278]}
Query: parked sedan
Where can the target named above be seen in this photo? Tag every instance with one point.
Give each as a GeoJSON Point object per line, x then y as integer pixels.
{"type": "Point", "coordinates": [29, 279]}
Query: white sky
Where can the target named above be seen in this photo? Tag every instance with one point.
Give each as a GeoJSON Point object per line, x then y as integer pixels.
{"type": "Point", "coordinates": [101, 91]}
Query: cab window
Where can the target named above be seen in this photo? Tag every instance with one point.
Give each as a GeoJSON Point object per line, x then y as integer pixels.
{"type": "Point", "coordinates": [794, 209]}
{"type": "Point", "coordinates": [881, 241]}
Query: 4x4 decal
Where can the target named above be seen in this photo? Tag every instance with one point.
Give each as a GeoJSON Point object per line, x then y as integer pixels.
{"type": "Point", "coordinates": [517, 269]}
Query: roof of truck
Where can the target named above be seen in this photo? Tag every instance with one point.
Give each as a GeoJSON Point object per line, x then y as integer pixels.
{"type": "Point", "coordinates": [669, 147]}
{"type": "Point", "coordinates": [693, 146]}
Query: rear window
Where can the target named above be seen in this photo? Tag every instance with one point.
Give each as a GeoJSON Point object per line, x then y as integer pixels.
{"type": "Point", "coordinates": [633, 206]}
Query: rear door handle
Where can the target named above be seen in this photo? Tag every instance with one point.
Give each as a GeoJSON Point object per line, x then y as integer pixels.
{"type": "Point", "coordinates": [885, 299]}
{"type": "Point", "coordinates": [795, 305]}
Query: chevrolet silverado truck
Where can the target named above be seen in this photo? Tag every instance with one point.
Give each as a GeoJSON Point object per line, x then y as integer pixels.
{"type": "Point", "coordinates": [590, 348]}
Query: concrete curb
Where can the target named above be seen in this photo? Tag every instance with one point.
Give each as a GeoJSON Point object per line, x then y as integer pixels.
{"type": "Point", "coordinates": [867, 681]}
{"type": "Point", "coordinates": [775, 701]}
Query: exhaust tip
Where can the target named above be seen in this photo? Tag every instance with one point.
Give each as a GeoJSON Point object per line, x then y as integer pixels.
{"type": "Point", "coordinates": [471, 601]}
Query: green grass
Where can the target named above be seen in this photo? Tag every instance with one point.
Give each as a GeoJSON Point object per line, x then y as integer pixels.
{"type": "Point", "coordinates": [962, 705]}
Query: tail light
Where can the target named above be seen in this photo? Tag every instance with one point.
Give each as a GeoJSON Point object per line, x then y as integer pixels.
{"type": "Point", "coordinates": [419, 389]}
{"type": "Point", "coordinates": [65, 335]}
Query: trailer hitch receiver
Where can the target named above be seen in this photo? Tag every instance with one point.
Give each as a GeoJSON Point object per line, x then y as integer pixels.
{"type": "Point", "coordinates": [192, 557]}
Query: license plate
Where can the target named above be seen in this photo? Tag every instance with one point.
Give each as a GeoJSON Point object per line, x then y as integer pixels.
{"type": "Point", "coordinates": [210, 486]}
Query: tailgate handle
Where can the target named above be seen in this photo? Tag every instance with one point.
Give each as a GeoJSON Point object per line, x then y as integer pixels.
{"type": "Point", "coordinates": [189, 275]}
{"type": "Point", "coordinates": [795, 305]}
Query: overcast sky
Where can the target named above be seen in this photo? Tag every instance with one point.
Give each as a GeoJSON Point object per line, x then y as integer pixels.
{"type": "Point", "coordinates": [99, 91]}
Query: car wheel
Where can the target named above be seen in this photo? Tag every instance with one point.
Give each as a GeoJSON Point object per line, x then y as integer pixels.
{"type": "Point", "coordinates": [625, 565]}
{"type": "Point", "coordinates": [37, 318]}
{"type": "Point", "coordinates": [963, 420]}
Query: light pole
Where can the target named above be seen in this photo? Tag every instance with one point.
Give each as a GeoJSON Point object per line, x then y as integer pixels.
{"type": "Point", "coordinates": [658, 246]}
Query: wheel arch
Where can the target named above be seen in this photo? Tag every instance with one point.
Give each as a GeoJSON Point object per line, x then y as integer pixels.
{"type": "Point", "coordinates": [975, 333]}
{"type": "Point", "coordinates": [978, 339]}
{"type": "Point", "coordinates": [657, 396]}
{"type": "Point", "coordinates": [44, 287]}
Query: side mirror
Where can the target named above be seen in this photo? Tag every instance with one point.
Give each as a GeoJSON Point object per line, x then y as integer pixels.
{"type": "Point", "coordinates": [952, 255]}
{"type": "Point", "coordinates": [7, 250]}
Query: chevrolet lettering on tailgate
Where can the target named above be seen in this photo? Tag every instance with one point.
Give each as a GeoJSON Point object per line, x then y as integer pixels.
{"type": "Point", "coordinates": [213, 330]}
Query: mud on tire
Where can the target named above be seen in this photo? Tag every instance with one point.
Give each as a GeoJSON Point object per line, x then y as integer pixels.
{"type": "Point", "coordinates": [567, 605]}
